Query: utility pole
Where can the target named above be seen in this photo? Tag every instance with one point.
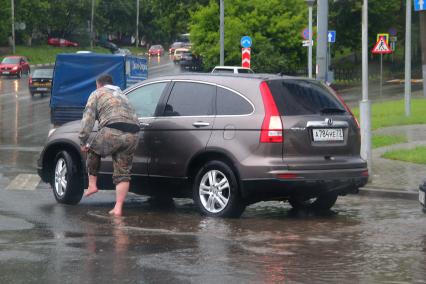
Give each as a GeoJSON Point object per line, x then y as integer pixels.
{"type": "Point", "coordinates": [422, 15]}
{"type": "Point", "coordinates": [365, 105]}
{"type": "Point", "coordinates": [322, 27]}
{"type": "Point", "coordinates": [13, 25]}
{"type": "Point", "coordinates": [310, 4]}
{"type": "Point", "coordinates": [407, 88]}
{"type": "Point", "coordinates": [91, 24]}
{"type": "Point", "coordinates": [137, 22]}
{"type": "Point", "coordinates": [222, 33]}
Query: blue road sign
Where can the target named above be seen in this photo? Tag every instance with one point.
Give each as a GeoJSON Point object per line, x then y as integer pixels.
{"type": "Point", "coordinates": [305, 33]}
{"type": "Point", "coordinates": [419, 5]}
{"type": "Point", "coordinates": [245, 41]}
{"type": "Point", "coordinates": [331, 36]}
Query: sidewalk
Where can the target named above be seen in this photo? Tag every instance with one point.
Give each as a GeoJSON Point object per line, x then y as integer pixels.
{"type": "Point", "coordinates": [389, 177]}
{"type": "Point", "coordinates": [397, 175]}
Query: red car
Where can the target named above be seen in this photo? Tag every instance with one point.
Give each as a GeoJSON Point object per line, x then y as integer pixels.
{"type": "Point", "coordinates": [156, 50]}
{"type": "Point", "coordinates": [14, 65]}
{"type": "Point", "coordinates": [61, 42]}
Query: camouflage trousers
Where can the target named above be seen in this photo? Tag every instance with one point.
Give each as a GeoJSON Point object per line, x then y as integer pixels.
{"type": "Point", "coordinates": [120, 145]}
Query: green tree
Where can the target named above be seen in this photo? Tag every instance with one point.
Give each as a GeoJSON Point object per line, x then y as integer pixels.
{"type": "Point", "coordinates": [274, 25]}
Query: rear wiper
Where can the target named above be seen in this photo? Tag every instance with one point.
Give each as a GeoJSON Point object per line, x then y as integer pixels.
{"type": "Point", "coordinates": [332, 110]}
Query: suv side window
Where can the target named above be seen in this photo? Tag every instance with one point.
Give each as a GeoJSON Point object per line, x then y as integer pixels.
{"type": "Point", "coordinates": [190, 99]}
{"type": "Point", "coordinates": [230, 103]}
{"type": "Point", "coordinates": [145, 99]}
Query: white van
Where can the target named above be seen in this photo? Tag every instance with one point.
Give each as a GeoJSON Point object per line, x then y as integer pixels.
{"type": "Point", "coordinates": [232, 69]}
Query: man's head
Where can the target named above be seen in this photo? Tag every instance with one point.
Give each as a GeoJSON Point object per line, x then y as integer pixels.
{"type": "Point", "coordinates": [103, 80]}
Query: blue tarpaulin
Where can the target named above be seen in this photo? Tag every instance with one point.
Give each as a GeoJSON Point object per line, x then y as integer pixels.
{"type": "Point", "coordinates": [75, 76]}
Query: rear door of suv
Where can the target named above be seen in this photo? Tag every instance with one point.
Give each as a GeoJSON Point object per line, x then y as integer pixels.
{"type": "Point", "coordinates": [319, 131]}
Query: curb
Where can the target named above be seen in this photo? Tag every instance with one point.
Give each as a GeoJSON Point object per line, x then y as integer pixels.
{"type": "Point", "coordinates": [386, 193]}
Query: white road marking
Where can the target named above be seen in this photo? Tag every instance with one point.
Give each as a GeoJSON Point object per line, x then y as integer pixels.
{"type": "Point", "coordinates": [24, 182]}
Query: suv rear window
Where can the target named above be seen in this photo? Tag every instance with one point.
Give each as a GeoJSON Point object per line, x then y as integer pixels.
{"type": "Point", "coordinates": [300, 97]}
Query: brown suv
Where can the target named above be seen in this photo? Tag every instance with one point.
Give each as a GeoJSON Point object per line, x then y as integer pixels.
{"type": "Point", "coordinates": [227, 141]}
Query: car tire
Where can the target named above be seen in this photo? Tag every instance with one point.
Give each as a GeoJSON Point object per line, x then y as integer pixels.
{"type": "Point", "coordinates": [321, 203]}
{"type": "Point", "coordinates": [67, 180]}
{"type": "Point", "coordinates": [212, 200]}
{"type": "Point", "coordinates": [19, 74]}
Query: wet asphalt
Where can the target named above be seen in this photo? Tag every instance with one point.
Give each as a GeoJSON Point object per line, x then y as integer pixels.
{"type": "Point", "coordinates": [362, 240]}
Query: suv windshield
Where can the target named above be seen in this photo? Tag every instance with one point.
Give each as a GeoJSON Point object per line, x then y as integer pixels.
{"type": "Point", "coordinates": [10, 60]}
{"type": "Point", "coordinates": [302, 97]}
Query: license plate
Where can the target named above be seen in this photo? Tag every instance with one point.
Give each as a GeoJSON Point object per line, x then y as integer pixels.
{"type": "Point", "coordinates": [422, 197]}
{"type": "Point", "coordinates": [41, 89]}
{"type": "Point", "coordinates": [327, 134]}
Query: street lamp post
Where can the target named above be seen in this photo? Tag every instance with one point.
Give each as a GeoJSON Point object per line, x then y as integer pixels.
{"type": "Point", "coordinates": [13, 25]}
{"type": "Point", "coordinates": [310, 4]}
{"type": "Point", "coordinates": [222, 33]}
{"type": "Point", "coordinates": [365, 105]}
{"type": "Point", "coordinates": [407, 87]}
{"type": "Point", "coordinates": [91, 24]}
{"type": "Point", "coordinates": [137, 22]}
{"type": "Point", "coordinates": [322, 28]}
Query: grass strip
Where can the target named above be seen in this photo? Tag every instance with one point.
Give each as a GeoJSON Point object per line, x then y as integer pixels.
{"type": "Point", "coordinates": [387, 140]}
{"type": "Point", "coordinates": [392, 113]}
{"type": "Point", "coordinates": [415, 155]}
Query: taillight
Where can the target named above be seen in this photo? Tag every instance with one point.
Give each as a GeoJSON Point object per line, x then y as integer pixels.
{"type": "Point", "coordinates": [272, 127]}
{"type": "Point", "coordinates": [30, 80]}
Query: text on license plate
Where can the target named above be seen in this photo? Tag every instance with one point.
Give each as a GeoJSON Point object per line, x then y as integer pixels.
{"type": "Point", "coordinates": [327, 134]}
{"type": "Point", "coordinates": [422, 197]}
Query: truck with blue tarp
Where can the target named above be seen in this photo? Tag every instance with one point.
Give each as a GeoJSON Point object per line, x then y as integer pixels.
{"type": "Point", "coordinates": [74, 79]}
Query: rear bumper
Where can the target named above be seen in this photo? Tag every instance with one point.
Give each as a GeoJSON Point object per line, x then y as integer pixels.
{"type": "Point", "coordinates": [39, 89]}
{"type": "Point", "coordinates": [9, 72]}
{"type": "Point", "coordinates": [304, 183]}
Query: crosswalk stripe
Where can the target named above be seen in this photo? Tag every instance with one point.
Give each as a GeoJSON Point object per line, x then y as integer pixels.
{"type": "Point", "coordinates": [24, 182]}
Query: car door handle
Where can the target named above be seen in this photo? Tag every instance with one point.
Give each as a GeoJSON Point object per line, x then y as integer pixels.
{"type": "Point", "coordinates": [143, 124]}
{"type": "Point", "coordinates": [200, 124]}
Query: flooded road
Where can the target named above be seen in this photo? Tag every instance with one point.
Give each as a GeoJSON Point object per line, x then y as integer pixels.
{"type": "Point", "coordinates": [364, 240]}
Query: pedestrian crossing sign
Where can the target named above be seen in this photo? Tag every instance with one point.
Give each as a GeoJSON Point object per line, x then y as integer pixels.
{"type": "Point", "coordinates": [381, 46]}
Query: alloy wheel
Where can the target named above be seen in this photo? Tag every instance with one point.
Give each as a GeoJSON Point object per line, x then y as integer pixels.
{"type": "Point", "coordinates": [214, 191]}
{"type": "Point", "coordinates": [60, 177]}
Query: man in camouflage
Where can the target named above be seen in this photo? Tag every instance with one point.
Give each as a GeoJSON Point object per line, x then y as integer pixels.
{"type": "Point", "coordinates": [117, 136]}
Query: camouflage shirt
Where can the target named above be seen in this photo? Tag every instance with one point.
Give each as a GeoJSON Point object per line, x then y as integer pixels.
{"type": "Point", "coordinates": [106, 105]}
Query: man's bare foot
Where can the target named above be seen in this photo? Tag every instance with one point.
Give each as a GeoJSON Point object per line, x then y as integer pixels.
{"type": "Point", "coordinates": [90, 191]}
{"type": "Point", "coordinates": [115, 213]}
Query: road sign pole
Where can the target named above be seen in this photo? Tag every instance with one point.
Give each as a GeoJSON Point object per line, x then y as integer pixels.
{"type": "Point", "coordinates": [407, 88]}
{"type": "Point", "coordinates": [381, 74]}
{"type": "Point", "coordinates": [310, 42]}
{"type": "Point", "coordinates": [322, 27]}
{"type": "Point", "coordinates": [422, 15]}
{"type": "Point", "coordinates": [365, 106]}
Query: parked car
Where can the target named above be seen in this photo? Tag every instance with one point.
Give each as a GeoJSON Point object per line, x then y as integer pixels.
{"type": "Point", "coordinates": [14, 66]}
{"type": "Point", "coordinates": [190, 61]}
{"type": "Point", "coordinates": [175, 45]}
{"type": "Point", "coordinates": [61, 42]}
{"type": "Point", "coordinates": [422, 195]}
{"type": "Point", "coordinates": [231, 69]}
{"type": "Point", "coordinates": [178, 54]}
{"type": "Point", "coordinates": [108, 45]}
{"type": "Point", "coordinates": [226, 141]}
{"type": "Point", "coordinates": [156, 49]}
{"type": "Point", "coordinates": [40, 81]}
